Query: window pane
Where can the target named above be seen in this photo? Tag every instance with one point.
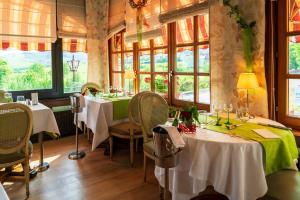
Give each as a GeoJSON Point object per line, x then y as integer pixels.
{"type": "Point", "coordinates": [203, 28]}
{"type": "Point", "coordinates": [294, 55]}
{"type": "Point", "coordinates": [117, 80]}
{"type": "Point", "coordinates": [145, 82]}
{"type": "Point", "coordinates": [145, 44]}
{"type": "Point", "coordinates": [128, 61]}
{"type": "Point", "coordinates": [185, 30]}
{"type": "Point", "coordinates": [25, 70]}
{"type": "Point", "coordinates": [184, 88]}
{"type": "Point", "coordinates": [144, 61]}
{"type": "Point", "coordinates": [161, 85]}
{"type": "Point", "coordinates": [294, 97]}
{"type": "Point", "coordinates": [204, 89]}
{"type": "Point", "coordinates": [73, 80]}
{"type": "Point", "coordinates": [294, 15]}
{"type": "Point", "coordinates": [116, 62]}
{"type": "Point", "coordinates": [161, 60]}
{"type": "Point", "coordinates": [203, 59]}
{"type": "Point", "coordinates": [129, 86]}
{"type": "Point", "coordinates": [185, 59]}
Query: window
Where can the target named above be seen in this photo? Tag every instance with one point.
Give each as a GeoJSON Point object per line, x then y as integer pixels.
{"type": "Point", "coordinates": [25, 70]}
{"type": "Point", "coordinates": [121, 61]}
{"type": "Point", "coordinates": [180, 74]}
{"type": "Point", "coordinates": [288, 62]}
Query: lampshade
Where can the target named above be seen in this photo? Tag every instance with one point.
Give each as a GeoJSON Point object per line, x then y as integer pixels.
{"type": "Point", "coordinates": [247, 81]}
{"type": "Point", "coordinates": [129, 75]}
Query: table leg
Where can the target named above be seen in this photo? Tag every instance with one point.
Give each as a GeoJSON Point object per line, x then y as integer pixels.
{"type": "Point", "coordinates": [43, 166]}
{"type": "Point", "coordinates": [166, 190]}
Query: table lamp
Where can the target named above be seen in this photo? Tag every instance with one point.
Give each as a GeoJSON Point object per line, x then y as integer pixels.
{"type": "Point", "coordinates": [247, 81]}
{"type": "Point", "coordinates": [129, 75]}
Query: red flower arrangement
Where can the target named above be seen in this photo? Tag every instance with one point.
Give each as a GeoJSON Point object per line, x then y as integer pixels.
{"type": "Point", "coordinates": [147, 80]}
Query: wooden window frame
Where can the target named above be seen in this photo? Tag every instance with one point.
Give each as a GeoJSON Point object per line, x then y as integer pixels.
{"type": "Point", "coordinates": [171, 49]}
{"type": "Point", "coordinates": [283, 63]}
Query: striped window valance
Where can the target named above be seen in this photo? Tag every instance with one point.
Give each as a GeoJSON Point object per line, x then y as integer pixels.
{"type": "Point", "coordinates": [294, 22]}
{"type": "Point", "coordinates": [74, 45]}
{"type": "Point", "coordinates": [173, 10]}
{"type": "Point", "coordinates": [27, 21]}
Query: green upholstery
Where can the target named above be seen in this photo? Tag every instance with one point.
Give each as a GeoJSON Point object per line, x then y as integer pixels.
{"type": "Point", "coordinates": [61, 108]}
{"type": "Point", "coordinates": [149, 147]}
{"type": "Point", "coordinates": [9, 158]}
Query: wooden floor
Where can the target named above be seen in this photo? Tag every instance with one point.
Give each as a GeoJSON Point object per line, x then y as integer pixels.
{"type": "Point", "coordinates": [94, 177]}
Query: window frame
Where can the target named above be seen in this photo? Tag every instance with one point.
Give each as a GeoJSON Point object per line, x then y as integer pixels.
{"type": "Point", "coordinates": [171, 49]}
{"type": "Point", "coordinates": [283, 66]}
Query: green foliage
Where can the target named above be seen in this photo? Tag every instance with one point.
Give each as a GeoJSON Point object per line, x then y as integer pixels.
{"type": "Point", "coordinates": [235, 12]}
{"type": "Point", "coordinates": [294, 56]}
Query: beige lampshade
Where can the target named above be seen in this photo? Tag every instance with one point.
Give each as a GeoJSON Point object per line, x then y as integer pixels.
{"type": "Point", "coordinates": [129, 75]}
{"type": "Point", "coordinates": [247, 81]}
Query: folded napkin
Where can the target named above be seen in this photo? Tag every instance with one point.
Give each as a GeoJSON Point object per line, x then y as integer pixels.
{"type": "Point", "coordinates": [175, 136]}
{"type": "Point", "coordinates": [265, 133]}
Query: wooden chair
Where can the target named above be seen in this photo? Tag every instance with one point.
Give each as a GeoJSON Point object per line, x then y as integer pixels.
{"type": "Point", "coordinates": [154, 110]}
{"type": "Point", "coordinates": [128, 130]}
{"type": "Point", "coordinates": [15, 131]}
{"type": "Point", "coordinates": [86, 131]}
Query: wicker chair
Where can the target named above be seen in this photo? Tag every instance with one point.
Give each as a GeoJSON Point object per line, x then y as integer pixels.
{"type": "Point", "coordinates": [128, 130]}
{"type": "Point", "coordinates": [153, 111]}
{"type": "Point", "coordinates": [2, 99]}
{"type": "Point", "coordinates": [84, 87]}
{"type": "Point", "coordinates": [15, 131]}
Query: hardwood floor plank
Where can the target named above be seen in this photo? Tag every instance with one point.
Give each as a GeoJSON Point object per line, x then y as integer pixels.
{"type": "Point", "coordinates": [94, 177]}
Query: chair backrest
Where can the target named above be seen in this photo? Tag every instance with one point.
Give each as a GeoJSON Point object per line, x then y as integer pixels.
{"type": "Point", "coordinates": [133, 108]}
{"type": "Point", "coordinates": [15, 127]}
{"type": "Point", "coordinates": [2, 99]}
{"type": "Point", "coordinates": [154, 110]}
{"type": "Point", "coordinates": [89, 85]}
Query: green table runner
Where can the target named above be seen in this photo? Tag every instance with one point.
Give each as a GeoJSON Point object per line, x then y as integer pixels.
{"type": "Point", "coordinates": [120, 107]}
{"type": "Point", "coordinates": [278, 153]}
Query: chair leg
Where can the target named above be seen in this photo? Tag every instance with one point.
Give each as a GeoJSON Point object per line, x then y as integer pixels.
{"type": "Point", "coordinates": [145, 167]}
{"type": "Point", "coordinates": [26, 174]}
{"type": "Point", "coordinates": [131, 150]}
{"type": "Point", "coordinates": [88, 133]}
{"type": "Point", "coordinates": [111, 147]}
{"type": "Point", "coordinates": [136, 144]}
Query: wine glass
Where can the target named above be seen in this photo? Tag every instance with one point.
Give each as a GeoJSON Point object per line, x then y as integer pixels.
{"type": "Point", "coordinates": [8, 97]}
{"type": "Point", "coordinates": [216, 109]}
{"type": "Point", "coordinates": [228, 108]}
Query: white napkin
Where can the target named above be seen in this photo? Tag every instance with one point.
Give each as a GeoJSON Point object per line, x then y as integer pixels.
{"type": "Point", "coordinates": [174, 135]}
{"type": "Point", "coordinates": [265, 133]}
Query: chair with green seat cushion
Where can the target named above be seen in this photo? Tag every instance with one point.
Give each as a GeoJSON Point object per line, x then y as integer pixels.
{"type": "Point", "coordinates": [154, 110]}
{"type": "Point", "coordinates": [128, 130]}
{"type": "Point", "coordinates": [15, 131]}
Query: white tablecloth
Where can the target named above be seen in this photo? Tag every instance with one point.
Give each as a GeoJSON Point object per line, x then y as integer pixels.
{"type": "Point", "coordinates": [98, 116]}
{"type": "Point", "coordinates": [3, 195]}
{"type": "Point", "coordinates": [232, 165]}
{"type": "Point", "coordinates": [43, 119]}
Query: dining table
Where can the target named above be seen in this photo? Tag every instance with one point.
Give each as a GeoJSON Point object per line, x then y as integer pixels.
{"type": "Point", "coordinates": [43, 122]}
{"type": "Point", "coordinates": [232, 165]}
{"type": "Point", "coordinates": [99, 113]}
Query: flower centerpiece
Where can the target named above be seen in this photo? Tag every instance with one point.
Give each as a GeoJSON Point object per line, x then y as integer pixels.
{"type": "Point", "coordinates": [90, 90]}
{"type": "Point", "coordinates": [188, 117]}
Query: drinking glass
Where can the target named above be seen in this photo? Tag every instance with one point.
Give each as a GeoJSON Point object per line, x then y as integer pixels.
{"type": "Point", "coordinates": [8, 97]}
{"type": "Point", "coordinates": [20, 99]}
{"type": "Point", "coordinates": [228, 108]}
{"type": "Point", "coordinates": [216, 109]}
{"type": "Point", "coordinates": [242, 114]}
{"type": "Point", "coordinates": [202, 118]}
